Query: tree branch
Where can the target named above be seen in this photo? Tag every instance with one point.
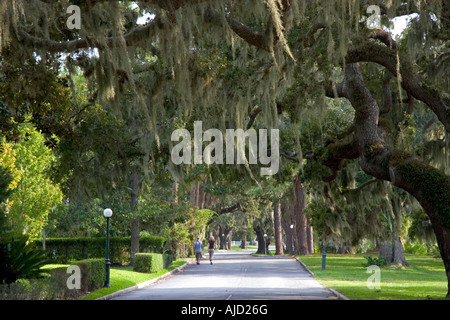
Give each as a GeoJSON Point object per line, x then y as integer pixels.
{"type": "Point", "coordinates": [254, 38]}
{"type": "Point", "coordinates": [410, 79]}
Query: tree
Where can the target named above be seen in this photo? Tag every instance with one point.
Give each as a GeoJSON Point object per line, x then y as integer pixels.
{"type": "Point", "coordinates": [34, 193]}
{"type": "Point", "coordinates": [282, 55]}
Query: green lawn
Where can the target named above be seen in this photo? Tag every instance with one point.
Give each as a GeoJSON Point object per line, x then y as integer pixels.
{"type": "Point", "coordinates": [425, 279]}
{"type": "Point", "coordinates": [125, 277]}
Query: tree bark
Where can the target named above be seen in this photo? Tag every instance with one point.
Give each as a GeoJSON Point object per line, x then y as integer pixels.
{"type": "Point", "coordinates": [260, 238]}
{"type": "Point", "coordinates": [244, 242]}
{"type": "Point", "coordinates": [287, 221]}
{"type": "Point", "coordinates": [301, 247]}
{"type": "Point", "coordinates": [386, 251]}
{"type": "Point", "coordinates": [222, 238]}
{"type": "Point", "coordinates": [310, 239]}
{"type": "Point", "coordinates": [399, 253]}
{"type": "Point", "coordinates": [277, 225]}
{"type": "Point", "coordinates": [135, 220]}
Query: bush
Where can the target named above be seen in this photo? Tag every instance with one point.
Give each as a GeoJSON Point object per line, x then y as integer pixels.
{"type": "Point", "coordinates": [377, 261]}
{"type": "Point", "coordinates": [168, 259]}
{"type": "Point", "coordinates": [54, 285]}
{"type": "Point", "coordinates": [20, 259]}
{"type": "Point", "coordinates": [93, 273]}
{"type": "Point", "coordinates": [63, 250]}
{"type": "Point", "coordinates": [148, 262]}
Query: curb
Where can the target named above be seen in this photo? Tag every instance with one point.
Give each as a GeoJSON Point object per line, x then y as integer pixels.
{"type": "Point", "coordinates": [304, 266]}
{"type": "Point", "coordinates": [337, 294]}
{"type": "Point", "coordinates": [144, 284]}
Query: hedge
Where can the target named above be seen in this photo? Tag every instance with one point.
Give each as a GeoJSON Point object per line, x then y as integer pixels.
{"type": "Point", "coordinates": [148, 262]}
{"type": "Point", "coordinates": [168, 259]}
{"type": "Point", "coordinates": [54, 285]}
{"type": "Point", "coordinates": [63, 250]}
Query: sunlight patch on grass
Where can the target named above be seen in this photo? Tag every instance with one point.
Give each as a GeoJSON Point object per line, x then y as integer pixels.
{"type": "Point", "coordinates": [425, 279]}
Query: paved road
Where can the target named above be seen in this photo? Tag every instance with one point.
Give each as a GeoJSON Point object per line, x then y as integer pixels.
{"type": "Point", "coordinates": [236, 276]}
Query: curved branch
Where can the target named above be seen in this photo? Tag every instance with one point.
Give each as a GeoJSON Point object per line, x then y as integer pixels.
{"type": "Point", "coordinates": [131, 38]}
{"type": "Point", "coordinates": [254, 38]}
{"type": "Point", "coordinates": [410, 79]}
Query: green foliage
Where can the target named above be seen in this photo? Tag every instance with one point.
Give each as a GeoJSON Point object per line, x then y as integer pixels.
{"type": "Point", "coordinates": [435, 185]}
{"type": "Point", "coordinates": [167, 259]}
{"type": "Point", "coordinates": [63, 250]}
{"type": "Point", "coordinates": [93, 273]}
{"type": "Point", "coordinates": [407, 133]}
{"type": "Point", "coordinates": [148, 262]}
{"type": "Point", "coordinates": [20, 259]}
{"type": "Point", "coordinates": [377, 261]}
{"type": "Point", "coordinates": [54, 285]}
{"type": "Point", "coordinates": [34, 193]}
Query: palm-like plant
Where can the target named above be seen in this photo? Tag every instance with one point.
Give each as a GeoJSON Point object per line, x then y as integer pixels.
{"type": "Point", "coordinates": [21, 260]}
{"type": "Point", "coordinates": [18, 256]}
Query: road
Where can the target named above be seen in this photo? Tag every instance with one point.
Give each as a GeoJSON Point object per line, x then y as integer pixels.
{"type": "Point", "coordinates": [236, 275]}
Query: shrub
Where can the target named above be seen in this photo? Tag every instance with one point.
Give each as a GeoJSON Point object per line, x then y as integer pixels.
{"type": "Point", "coordinates": [63, 250]}
{"type": "Point", "coordinates": [93, 273]}
{"type": "Point", "coordinates": [20, 259]}
{"type": "Point", "coordinates": [54, 285]}
{"type": "Point", "coordinates": [378, 261]}
{"type": "Point", "coordinates": [168, 259]}
{"type": "Point", "coordinates": [148, 262]}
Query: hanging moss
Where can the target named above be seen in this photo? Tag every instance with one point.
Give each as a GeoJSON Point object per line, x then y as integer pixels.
{"type": "Point", "coordinates": [434, 184]}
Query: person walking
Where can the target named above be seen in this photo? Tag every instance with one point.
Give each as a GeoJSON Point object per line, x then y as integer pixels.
{"type": "Point", "coordinates": [211, 248]}
{"type": "Point", "coordinates": [198, 249]}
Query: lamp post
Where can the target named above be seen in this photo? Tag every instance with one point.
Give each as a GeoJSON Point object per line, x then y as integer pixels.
{"type": "Point", "coordinates": [107, 213]}
{"type": "Point", "coordinates": [324, 256]}
{"type": "Point", "coordinates": [292, 238]}
{"type": "Point", "coordinates": [223, 242]}
{"type": "Point", "coordinates": [265, 246]}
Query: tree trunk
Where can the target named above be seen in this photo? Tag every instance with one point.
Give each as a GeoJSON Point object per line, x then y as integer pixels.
{"type": "Point", "coordinates": [260, 238]}
{"type": "Point", "coordinates": [135, 220]}
{"type": "Point", "coordinates": [386, 251]}
{"type": "Point", "coordinates": [222, 238]}
{"type": "Point", "coordinates": [244, 242]}
{"type": "Point", "coordinates": [287, 221]}
{"type": "Point", "coordinates": [428, 185]}
{"type": "Point", "coordinates": [277, 225]}
{"type": "Point", "coordinates": [228, 237]}
{"type": "Point", "coordinates": [175, 192]}
{"type": "Point", "coordinates": [399, 253]}
{"type": "Point", "coordinates": [301, 245]}
{"type": "Point", "coordinates": [392, 252]}
{"type": "Point", "coordinates": [310, 239]}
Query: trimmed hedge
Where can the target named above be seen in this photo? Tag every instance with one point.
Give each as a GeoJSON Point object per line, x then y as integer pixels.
{"type": "Point", "coordinates": [93, 273]}
{"type": "Point", "coordinates": [148, 262]}
{"type": "Point", "coordinates": [63, 250]}
{"type": "Point", "coordinates": [168, 259]}
{"type": "Point", "coordinates": [54, 285]}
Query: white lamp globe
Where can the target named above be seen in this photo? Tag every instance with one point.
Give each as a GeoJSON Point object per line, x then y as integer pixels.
{"type": "Point", "coordinates": [107, 213]}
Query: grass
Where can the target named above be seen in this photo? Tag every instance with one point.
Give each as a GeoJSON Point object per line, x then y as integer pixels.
{"type": "Point", "coordinates": [425, 279]}
{"type": "Point", "coordinates": [125, 277]}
